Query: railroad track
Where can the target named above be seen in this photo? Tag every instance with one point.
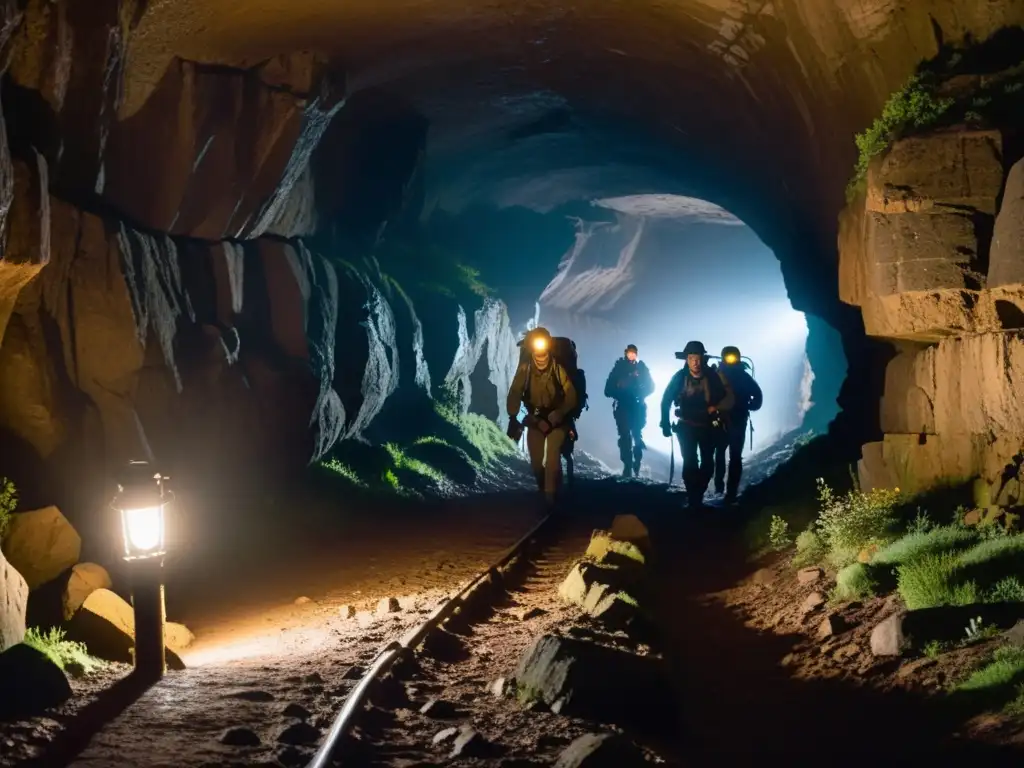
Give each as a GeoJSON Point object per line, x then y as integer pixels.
{"type": "Point", "coordinates": [443, 691]}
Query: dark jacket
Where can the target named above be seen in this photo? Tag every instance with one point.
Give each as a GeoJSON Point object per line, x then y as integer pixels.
{"type": "Point", "coordinates": [548, 390]}
{"type": "Point", "coordinates": [747, 391]}
{"type": "Point", "coordinates": [693, 396]}
{"type": "Point", "coordinates": [629, 382]}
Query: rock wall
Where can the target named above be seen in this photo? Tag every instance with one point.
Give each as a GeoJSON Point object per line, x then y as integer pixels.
{"type": "Point", "coordinates": [166, 288]}
{"type": "Point", "coordinates": [932, 252]}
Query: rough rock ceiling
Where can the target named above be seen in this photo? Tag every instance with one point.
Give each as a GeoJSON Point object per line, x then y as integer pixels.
{"type": "Point", "coordinates": [749, 103]}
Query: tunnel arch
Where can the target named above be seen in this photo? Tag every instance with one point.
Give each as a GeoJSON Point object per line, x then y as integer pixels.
{"type": "Point", "coordinates": [750, 104]}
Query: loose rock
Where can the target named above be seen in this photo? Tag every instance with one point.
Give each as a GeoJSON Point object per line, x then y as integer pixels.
{"type": "Point", "coordinates": [240, 737]}
{"type": "Point", "coordinates": [1015, 634]}
{"type": "Point", "coordinates": [600, 750]}
{"type": "Point", "coordinates": [388, 605]}
{"type": "Point", "coordinates": [887, 638]}
{"type": "Point", "coordinates": [299, 734]}
{"type": "Point", "coordinates": [30, 683]}
{"type": "Point", "coordinates": [525, 614]}
{"type": "Point", "coordinates": [812, 603]}
{"type": "Point", "coordinates": [499, 687]}
{"type": "Point", "coordinates": [41, 545]}
{"type": "Point", "coordinates": [763, 576]}
{"type": "Point", "coordinates": [808, 575]}
{"type": "Point", "coordinates": [297, 711]}
{"type": "Point", "coordinates": [439, 708]}
{"type": "Point", "coordinates": [591, 680]}
{"type": "Point", "coordinates": [443, 737]}
{"type": "Point", "coordinates": [831, 625]}
{"type": "Point", "coordinates": [347, 611]}
{"type": "Point", "coordinates": [469, 743]}
{"type": "Point", "coordinates": [13, 602]}
{"type": "Point", "coordinates": [85, 579]}
{"type": "Point", "coordinates": [302, 600]}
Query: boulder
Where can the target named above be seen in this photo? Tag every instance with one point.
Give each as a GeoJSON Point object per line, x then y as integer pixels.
{"type": "Point", "coordinates": [30, 683]}
{"type": "Point", "coordinates": [42, 545]}
{"type": "Point", "coordinates": [629, 528]}
{"type": "Point", "coordinates": [808, 575]}
{"type": "Point", "coordinates": [581, 679]}
{"type": "Point", "coordinates": [1006, 257]}
{"type": "Point", "coordinates": [85, 579]}
{"type": "Point", "coordinates": [887, 639]}
{"type": "Point", "coordinates": [600, 750]}
{"type": "Point", "coordinates": [13, 602]}
{"type": "Point", "coordinates": [606, 550]}
{"type": "Point", "coordinates": [812, 603]}
{"type": "Point", "coordinates": [106, 625]}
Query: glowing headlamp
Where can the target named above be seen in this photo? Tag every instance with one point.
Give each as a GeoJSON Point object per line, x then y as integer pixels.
{"type": "Point", "coordinates": [731, 359]}
{"type": "Point", "coordinates": [540, 344]}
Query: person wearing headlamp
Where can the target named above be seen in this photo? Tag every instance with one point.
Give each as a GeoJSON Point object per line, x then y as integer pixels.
{"type": "Point", "coordinates": [748, 398]}
{"type": "Point", "coordinates": [547, 391]}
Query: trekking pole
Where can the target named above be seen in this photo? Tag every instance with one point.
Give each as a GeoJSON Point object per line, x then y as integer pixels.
{"type": "Point", "coordinates": [751, 434]}
{"type": "Point", "coordinates": [672, 460]}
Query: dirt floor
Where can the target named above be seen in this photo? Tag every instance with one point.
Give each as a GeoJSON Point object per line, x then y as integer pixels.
{"type": "Point", "coordinates": [275, 654]}
{"type": "Point", "coordinates": [465, 684]}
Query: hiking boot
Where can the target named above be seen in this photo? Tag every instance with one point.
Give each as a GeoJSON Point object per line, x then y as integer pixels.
{"type": "Point", "coordinates": [730, 498]}
{"type": "Point", "coordinates": [719, 489]}
{"type": "Point", "coordinates": [627, 471]}
{"type": "Point", "coordinates": [636, 468]}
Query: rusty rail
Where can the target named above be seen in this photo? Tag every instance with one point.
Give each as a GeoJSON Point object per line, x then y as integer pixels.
{"type": "Point", "coordinates": [331, 747]}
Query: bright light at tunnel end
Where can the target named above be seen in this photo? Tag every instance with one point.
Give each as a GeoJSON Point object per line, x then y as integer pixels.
{"type": "Point", "coordinates": [775, 346]}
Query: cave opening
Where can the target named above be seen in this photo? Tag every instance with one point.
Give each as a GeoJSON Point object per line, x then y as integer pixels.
{"type": "Point", "coordinates": [657, 270]}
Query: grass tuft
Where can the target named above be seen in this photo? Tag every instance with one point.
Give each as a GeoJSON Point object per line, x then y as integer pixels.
{"type": "Point", "coordinates": [69, 656]}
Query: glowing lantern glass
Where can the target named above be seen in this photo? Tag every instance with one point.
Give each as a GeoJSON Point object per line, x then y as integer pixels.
{"type": "Point", "coordinates": [142, 502]}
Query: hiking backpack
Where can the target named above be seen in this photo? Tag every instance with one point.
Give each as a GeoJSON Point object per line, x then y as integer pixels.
{"type": "Point", "coordinates": [563, 352]}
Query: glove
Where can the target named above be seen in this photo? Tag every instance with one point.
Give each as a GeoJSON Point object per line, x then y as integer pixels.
{"type": "Point", "coordinates": [555, 418]}
{"type": "Point", "coordinates": [666, 429]}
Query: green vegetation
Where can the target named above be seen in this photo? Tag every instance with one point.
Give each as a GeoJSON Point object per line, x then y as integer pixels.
{"type": "Point", "coordinates": [470, 278]}
{"type": "Point", "coordinates": [391, 480]}
{"type": "Point", "coordinates": [402, 461]}
{"type": "Point", "coordinates": [931, 99]}
{"type": "Point", "coordinates": [778, 534]}
{"type": "Point", "coordinates": [999, 683]}
{"type": "Point", "coordinates": [345, 471]}
{"type": "Point", "coordinates": [457, 449]}
{"type": "Point", "coordinates": [627, 599]}
{"type": "Point", "coordinates": [851, 523]}
{"type": "Point", "coordinates": [878, 544]}
{"type": "Point", "coordinates": [484, 435]}
{"type": "Point", "coordinates": [810, 550]}
{"type": "Point", "coordinates": [69, 656]}
{"type": "Point", "coordinates": [913, 107]}
{"type": "Point", "coordinates": [854, 582]}
{"type": "Point", "coordinates": [8, 503]}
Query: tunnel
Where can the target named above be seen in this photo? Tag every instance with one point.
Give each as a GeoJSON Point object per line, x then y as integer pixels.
{"type": "Point", "coordinates": [287, 253]}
